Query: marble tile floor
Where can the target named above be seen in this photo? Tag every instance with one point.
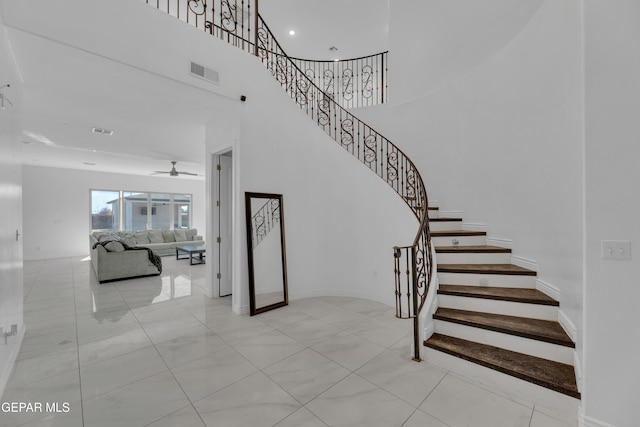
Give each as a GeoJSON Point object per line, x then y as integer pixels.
{"type": "Point", "coordinates": [158, 352]}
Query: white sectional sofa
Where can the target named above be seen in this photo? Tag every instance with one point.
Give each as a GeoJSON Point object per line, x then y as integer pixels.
{"type": "Point", "coordinates": [121, 264]}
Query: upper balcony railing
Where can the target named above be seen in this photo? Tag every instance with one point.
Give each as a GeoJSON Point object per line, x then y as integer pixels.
{"type": "Point", "coordinates": [352, 83]}
{"type": "Point", "coordinates": [238, 23]}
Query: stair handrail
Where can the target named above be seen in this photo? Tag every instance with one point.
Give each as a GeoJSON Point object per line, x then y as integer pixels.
{"type": "Point", "coordinates": [355, 136]}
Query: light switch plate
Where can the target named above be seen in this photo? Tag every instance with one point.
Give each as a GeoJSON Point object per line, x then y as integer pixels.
{"type": "Point", "coordinates": [616, 249]}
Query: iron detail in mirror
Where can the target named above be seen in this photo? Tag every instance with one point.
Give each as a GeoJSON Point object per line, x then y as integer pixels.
{"type": "Point", "coordinates": [266, 252]}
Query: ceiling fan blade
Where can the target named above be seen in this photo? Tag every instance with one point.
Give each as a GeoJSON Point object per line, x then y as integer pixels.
{"type": "Point", "coordinates": [187, 173]}
{"type": "Point", "coordinates": [158, 172]}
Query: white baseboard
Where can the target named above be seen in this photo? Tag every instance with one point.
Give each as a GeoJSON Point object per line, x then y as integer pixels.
{"type": "Point", "coordinates": [240, 309]}
{"type": "Point", "coordinates": [383, 299]}
{"type": "Point", "coordinates": [503, 243]}
{"type": "Point", "coordinates": [474, 226]}
{"type": "Point", "coordinates": [567, 325]}
{"type": "Point", "coordinates": [577, 367]}
{"type": "Point", "coordinates": [548, 289]}
{"type": "Point", "coordinates": [585, 421]}
{"type": "Point", "coordinates": [524, 262]}
{"type": "Point", "coordinates": [5, 374]}
{"type": "Point", "coordinates": [450, 214]}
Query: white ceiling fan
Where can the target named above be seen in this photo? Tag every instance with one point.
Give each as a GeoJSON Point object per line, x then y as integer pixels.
{"type": "Point", "coordinates": [174, 172]}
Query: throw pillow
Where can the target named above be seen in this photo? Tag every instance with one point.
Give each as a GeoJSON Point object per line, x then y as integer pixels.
{"type": "Point", "coordinates": [129, 240]}
{"type": "Point", "coordinates": [180, 235]}
{"type": "Point", "coordinates": [190, 233]}
{"type": "Point", "coordinates": [142, 238]}
{"type": "Point", "coordinates": [155, 237]}
{"type": "Point", "coordinates": [109, 236]}
{"type": "Point", "coordinates": [168, 236]}
{"type": "Point", "coordinates": [114, 247]}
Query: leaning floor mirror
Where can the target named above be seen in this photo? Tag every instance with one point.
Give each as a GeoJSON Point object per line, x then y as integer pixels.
{"type": "Point", "coordinates": [266, 252]}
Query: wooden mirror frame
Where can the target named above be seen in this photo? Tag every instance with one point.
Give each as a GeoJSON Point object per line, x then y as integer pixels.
{"type": "Point", "coordinates": [253, 309]}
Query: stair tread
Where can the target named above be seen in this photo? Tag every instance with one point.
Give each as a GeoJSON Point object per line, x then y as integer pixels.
{"type": "Point", "coordinates": [472, 249]}
{"type": "Point", "coordinates": [524, 295]}
{"type": "Point", "coordinates": [537, 329]}
{"type": "Point", "coordinates": [445, 233]}
{"type": "Point", "coordinates": [445, 219]}
{"type": "Point", "coordinates": [433, 208]}
{"type": "Point", "coordinates": [486, 269]}
{"type": "Point", "coordinates": [553, 375]}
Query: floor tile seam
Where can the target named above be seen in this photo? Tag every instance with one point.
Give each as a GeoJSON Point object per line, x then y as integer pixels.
{"type": "Point", "coordinates": [413, 405]}
{"type": "Point", "coordinates": [177, 410]}
{"type": "Point", "coordinates": [487, 388]}
{"type": "Point", "coordinates": [306, 405]}
{"type": "Point", "coordinates": [393, 346]}
{"type": "Point", "coordinates": [278, 361]}
{"type": "Point", "coordinates": [83, 366]}
{"type": "Point", "coordinates": [75, 312]}
{"type": "Point", "coordinates": [200, 399]}
{"type": "Point", "coordinates": [433, 416]}
{"type": "Point", "coordinates": [152, 344]}
{"type": "Point", "coordinates": [45, 333]}
{"type": "Point", "coordinates": [430, 393]}
{"type": "Point", "coordinates": [120, 387]}
{"type": "Point", "coordinates": [191, 403]}
{"type": "Point", "coordinates": [39, 379]}
{"type": "Point", "coordinates": [312, 342]}
{"type": "Point", "coordinates": [546, 413]}
{"type": "Point", "coordinates": [314, 415]}
{"type": "Point", "coordinates": [531, 416]}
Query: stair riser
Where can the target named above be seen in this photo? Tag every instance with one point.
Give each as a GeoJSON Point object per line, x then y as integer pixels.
{"type": "Point", "coordinates": [536, 348]}
{"type": "Point", "coordinates": [462, 240]}
{"type": "Point", "coordinates": [561, 405]}
{"type": "Point", "coordinates": [434, 214]}
{"type": "Point", "coordinates": [477, 279]}
{"type": "Point", "coordinates": [445, 225]}
{"type": "Point", "coordinates": [509, 308]}
{"type": "Point", "coordinates": [473, 258]}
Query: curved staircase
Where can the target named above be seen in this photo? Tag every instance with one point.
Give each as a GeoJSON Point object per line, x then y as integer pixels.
{"type": "Point", "coordinates": [490, 312]}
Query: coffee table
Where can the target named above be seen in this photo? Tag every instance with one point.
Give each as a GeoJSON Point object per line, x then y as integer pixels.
{"type": "Point", "coordinates": [198, 250]}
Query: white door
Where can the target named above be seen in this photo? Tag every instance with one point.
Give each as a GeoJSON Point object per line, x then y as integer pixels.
{"type": "Point", "coordinates": [224, 227]}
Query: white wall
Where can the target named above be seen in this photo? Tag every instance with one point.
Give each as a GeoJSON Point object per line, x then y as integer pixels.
{"type": "Point", "coordinates": [57, 206]}
{"type": "Point", "coordinates": [612, 209]}
{"type": "Point", "coordinates": [341, 220]}
{"type": "Point", "coordinates": [438, 41]}
{"type": "Point", "coordinates": [11, 272]}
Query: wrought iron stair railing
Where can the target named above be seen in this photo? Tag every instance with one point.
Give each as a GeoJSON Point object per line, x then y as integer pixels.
{"type": "Point", "coordinates": [264, 220]}
{"type": "Point", "coordinates": [240, 24]}
{"type": "Point", "coordinates": [352, 83]}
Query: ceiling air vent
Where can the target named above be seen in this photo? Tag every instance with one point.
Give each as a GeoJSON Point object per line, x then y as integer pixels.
{"type": "Point", "coordinates": [204, 73]}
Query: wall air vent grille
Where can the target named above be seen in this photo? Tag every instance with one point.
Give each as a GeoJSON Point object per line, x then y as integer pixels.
{"type": "Point", "coordinates": [204, 73]}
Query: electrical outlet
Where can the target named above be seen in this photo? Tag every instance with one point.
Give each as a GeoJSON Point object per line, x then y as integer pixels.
{"type": "Point", "coordinates": [616, 249]}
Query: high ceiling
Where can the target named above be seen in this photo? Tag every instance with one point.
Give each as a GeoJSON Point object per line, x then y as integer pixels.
{"type": "Point", "coordinates": [70, 90]}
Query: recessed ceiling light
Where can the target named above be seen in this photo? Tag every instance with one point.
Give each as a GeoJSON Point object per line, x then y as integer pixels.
{"type": "Point", "coordinates": [292, 32]}
{"type": "Point", "coordinates": [102, 131]}
{"type": "Point", "coordinates": [336, 60]}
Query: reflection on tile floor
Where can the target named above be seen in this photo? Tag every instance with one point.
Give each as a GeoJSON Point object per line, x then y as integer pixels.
{"type": "Point", "coordinates": [157, 352]}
